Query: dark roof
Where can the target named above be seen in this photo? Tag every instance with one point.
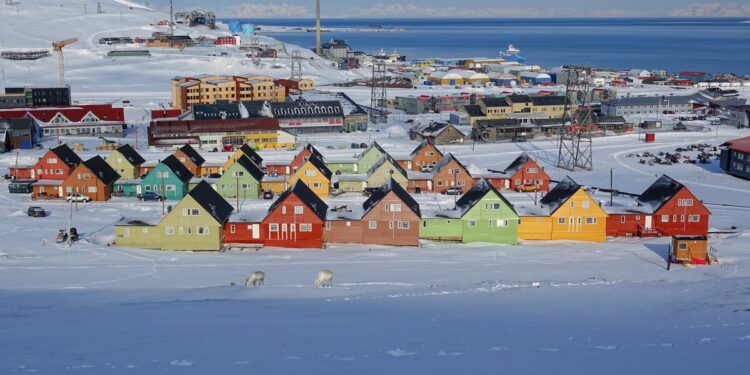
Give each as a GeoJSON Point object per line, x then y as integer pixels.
{"type": "Point", "coordinates": [307, 196]}
{"type": "Point", "coordinates": [303, 108]}
{"type": "Point", "coordinates": [659, 192]}
{"type": "Point", "coordinates": [318, 163]}
{"type": "Point", "coordinates": [476, 193]}
{"type": "Point", "coordinates": [548, 121]}
{"type": "Point", "coordinates": [444, 161]}
{"type": "Point", "coordinates": [251, 154]}
{"type": "Point", "coordinates": [211, 201]}
{"type": "Point", "coordinates": [16, 123]}
{"type": "Point", "coordinates": [101, 170]}
{"type": "Point", "coordinates": [559, 194]}
{"type": "Point", "coordinates": [503, 122]}
{"type": "Point", "coordinates": [67, 155]}
{"type": "Point", "coordinates": [474, 110]}
{"type": "Point", "coordinates": [548, 100]}
{"type": "Point", "coordinates": [190, 152]}
{"type": "Point", "coordinates": [379, 194]}
{"type": "Point", "coordinates": [314, 151]}
{"type": "Point", "coordinates": [177, 168]}
{"type": "Point", "coordinates": [382, 160]}
{"type": "Point", "coordinates": [495, 102]}
{"type": "Point", "coordinates": [433, 128]}
{"type": "Point", "coordinates": [519, 98]}
{"type": "Point", "coordinates": [423, 145]}
{"type": "Point", "coordinates": [513, 167]}
{"type": "Point", "coordinates": [133, 157]}
{"type": "Point", "coordinates": [251, 167]}
{"type": "Point", "coordinates": [217, 111]}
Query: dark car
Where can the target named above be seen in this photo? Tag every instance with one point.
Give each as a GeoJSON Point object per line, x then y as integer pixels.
{"type": "Point", "coordinates": [452, 191]}
{"type": "Point", "coordinates": [149, 196]}
{"type": "Point", "coordinates": [368, 191]}
{"type": "Point", "coordinates": [267, 194]}
{"type": "Point", "coordinates": [214, 175]}
{"type": "Point", "coordinates": [36, 211]}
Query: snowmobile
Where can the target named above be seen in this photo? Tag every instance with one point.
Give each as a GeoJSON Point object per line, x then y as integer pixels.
{"type": "Point", "coordinates": [62, 235]}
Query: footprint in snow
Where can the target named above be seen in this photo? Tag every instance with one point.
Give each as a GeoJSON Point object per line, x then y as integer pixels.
{"type": "Point", "coordinates": [452, 354]}
{"type": "Point", "coordinates": [181, 363]}
{"type": "Point", "coordinates": [548, 349]}
{"type": "Point", "coordinates": [606, 347]}
{"type": "Point", "coordinates": [399, 353]}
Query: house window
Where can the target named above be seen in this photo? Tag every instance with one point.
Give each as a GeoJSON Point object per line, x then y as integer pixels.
{"type": "Point", "coordinates": [590, 220]}
{"type": "Point", "coordinates": [440, 183]}
{"type": "Point", "coordinates": [572, 204]}
{"type": "Point", "coordinates": [283, 210]}
{"type": "Point", "coordinates": [664, 218]}
{"type": "Point", "coordinates": [492, 206]}
{"type": "Point", "coordinates": [530, 170]}
{"type": "Point", "coordinates": [585, 204]}
{"type": "Point", "coordinates": [460, 183]}
{"type": "Point", "coordinates": [348, 223]}
{"type": "Point", "coordinates": [694, 218]}
{"type": "Point", "coordinates": [148, 187]}
{"type": "Point", "coordinates": [472, 223]}
{"type": "Point", "coordinates": [447, 221]}
{"type": "Point", "coordinates": [189, 212]}
{"type": "Point", "coordinates": [328, 225]}
{"type": "Point", "coordinates": [622, 218]}
{"type": "Point", "coordinates": [317, 185]}
{"type": "Point", "coordinates": [393, 207]}
{"type": "Point", "coordinates": [501, 223]}
{"type": "Point", "coordinates": [145, 230]}
{"type": "Point", "coordinates": [372, 224]}
{"type": "Point", "coordinates": [298, 210]}
{"type": "Point", "coordinates": [231, 228]}
{"type": "Point", "coordinates": [202, 230]}
{"type": "Point", "coordinates": [126, 232]}
{"type": "Point", "coordinates": [390, 224]}
{"type": "Point", "coordinates": [189, 230]}
{"type": "Point", "coordinates": [682, 246]}
{"type": "Point", "coordinates": [561, 220]}
{"type": "Point", "coordinates": [273, 227]}
{"type": "Point", "coordinates": [403, 225]}
{"type": "Point", "coordinates": [169, 231]}
{"type": "Point", "coordinates": [685, 202]}
{"type": "Point", "coordinates": [92, 189]}
{"type": "Point", "coordinates": [170, 187]}
{"type": "Point", "coordinates": [58, 171]}
{"type": "Point", "coordinates": [52, 160]}
{"type": "Point", "coordinates": [309, 173]}
{"type": "Point", "coordinates": [674, 218]}
{"type": "Point", "coordinates": [489, 223]}
{"type": "Point", "coordinates": [424, 223]}
{"type": "Point", "coordinates": [306, 227]}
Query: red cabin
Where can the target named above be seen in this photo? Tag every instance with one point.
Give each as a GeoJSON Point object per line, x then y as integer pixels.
{"type": "Point", "coordinates": [225, 40]}
{"type": "Point", "coordinates": [55, 164]}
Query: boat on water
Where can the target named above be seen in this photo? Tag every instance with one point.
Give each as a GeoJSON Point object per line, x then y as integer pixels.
{"type": "Point", "coordinates": [513, 54]}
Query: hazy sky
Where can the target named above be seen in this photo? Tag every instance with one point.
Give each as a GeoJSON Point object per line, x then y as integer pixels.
{"type": "Point", "coordinates": [469, 8]}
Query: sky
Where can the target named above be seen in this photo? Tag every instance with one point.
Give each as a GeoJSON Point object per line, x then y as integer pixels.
{"type": "Point", "coordinates": [468, 8]}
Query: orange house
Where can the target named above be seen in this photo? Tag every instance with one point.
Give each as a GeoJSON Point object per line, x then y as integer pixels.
{"type": "Point", "coordinates": [190, 158]}
{"type": "Point", "coordinates": [425, 155]}
{"type": "Point", "coordinates": [450, 173]}
{"type": "Point", "coordinates": [93, 179]}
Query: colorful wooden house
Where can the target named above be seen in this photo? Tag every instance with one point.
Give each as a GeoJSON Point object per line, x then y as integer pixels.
{"type": "Point", "coordinates": [524, 174]}
{"type": "Point", "coordinates": [390, 216]}
{"type": "Point", "coordinates": [244, 150]}
{"type": "Point", "coordinates": [126, 161]}
{"type": "Point", "coordinates": [567, 212]}
{"type": "Point", "coordinates": [241, 179]}
{"type": "Point", "coordinates": [300, 158]}
{"type": "Point", "coordinates": [446, 174]}
{"type": "Point", "coordinates": [191, 159]}
{"type": "Point", "coordinates": [92, 179]}
{"type": "Point", "coordinates": [56, 164]}
{"type": "Point", "coordinates": [195, 223]}
{"type": "Point", "coordinates": [295, 219]}
{"type": "Point", "coordinates": [385, 170]}
{"type": "Point", "coordinates": [482, 214]}
{"type": "Point", "coordinates": [370, 156]}
{"type": "Point", "coordinates": [315, 175]}
{"type": "Point", "coordinates": [423, 158]}
{"type": "Point", "coordinates": [343, 166]}
{"type": "Point", "coordinates": [169, 178]}
{"type": "Point", "coordinates": [666, 208]}
{"type": "Point", "coordinates": [690, 250]}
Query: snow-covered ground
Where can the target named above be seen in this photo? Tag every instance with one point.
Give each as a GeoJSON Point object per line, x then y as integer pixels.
{"type": "Point", "coordinates": [538, 307]}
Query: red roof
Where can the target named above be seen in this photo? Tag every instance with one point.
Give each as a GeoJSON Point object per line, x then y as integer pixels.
{"type": "Point", "coordinates": [165, 113]}
{"type": "Point", "coordinates": [104, 112]}
{"type": "Point", "coordinates": [740, 144]}
{"type": "Point", "coordinates": [699, 74]}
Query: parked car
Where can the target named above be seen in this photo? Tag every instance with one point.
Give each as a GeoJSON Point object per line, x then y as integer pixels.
{"type": "Point", "coordinates": [267, 194]}
{"type": "Point", "coordinates": [36, 211]}
{"type": "Point", "coordinates": [369, 190]}
{"type": "Point", "coordinates": [526, 188]}
{"type": "Point", "coordinates": [214, 175]}
{"type": "Point", "coordinates": [76, 197]}
{"type": "Point", "coordinates": [452, 191]}
{"type": "Point", "coordinates": [149, 196]}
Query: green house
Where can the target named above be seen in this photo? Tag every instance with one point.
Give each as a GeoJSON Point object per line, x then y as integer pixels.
{"type": "Point", "coordinates": [481, 215]}
{"type": "Point", "coordinates": [195, 223]}
{"type": "Point", "coordinates": [126, 188]}
{"type": "Point", "coordinates": [243, 177]}
{"type": "Point", "coordinates": [169, 179]}
{"type": "Point", "coordinates": [384, 170]}
{"type": "Point", "coordinates": [370, 156]}
{"type": "Point", "coordinates": [348, 166]}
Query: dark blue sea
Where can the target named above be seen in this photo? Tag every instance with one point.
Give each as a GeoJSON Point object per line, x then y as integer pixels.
{"type": "Point", "coordinates": [675, 44]}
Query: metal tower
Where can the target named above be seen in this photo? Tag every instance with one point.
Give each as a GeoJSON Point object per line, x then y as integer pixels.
{"type": "Point", "coordinates": [576, 146]}
{"type": "Point", "coordinates": [255, 52]}
{"type": "Point", "coordinates": [378, 97]}
{"type": "Point", "coordinates": [296, 65]}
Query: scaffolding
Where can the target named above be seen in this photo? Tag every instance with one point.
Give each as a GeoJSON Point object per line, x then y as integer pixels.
{"type": "Point", "coordinates": [576, 145]}
{"type": "Point", "coordinates": [378, 97]}
{"type": "Point", "coordinates": [296, 65]}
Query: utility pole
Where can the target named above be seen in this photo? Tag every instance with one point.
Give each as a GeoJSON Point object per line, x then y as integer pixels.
{"type": "Point", "coordinates": [317, 28]}
{"type": "Point", "coordinates": [70, 223]}
{"type": "Point", "coordinates": [171, 17]}
{"type": "Point", "coordinates": [237, 176]}
{"type": "Point", "coordinates": [611, 187]}
{"type": "Point", "coordinates": [164, 195]}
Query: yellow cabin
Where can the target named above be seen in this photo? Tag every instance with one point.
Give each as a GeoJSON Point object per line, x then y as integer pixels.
{"type": "Point", "coordinates": [315, 175]}
{"type": "Point", "coordinates": [567, 212]}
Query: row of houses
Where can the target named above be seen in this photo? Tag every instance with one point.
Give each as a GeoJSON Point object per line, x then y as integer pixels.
{"type": "Point", "coordinates": [299, 218]}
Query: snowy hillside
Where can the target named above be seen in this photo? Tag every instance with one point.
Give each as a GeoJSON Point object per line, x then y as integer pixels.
{"type": "Point", "coordinates": [36, 24]}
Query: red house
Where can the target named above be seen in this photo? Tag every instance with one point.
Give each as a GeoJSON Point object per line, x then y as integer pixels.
{"type": "Point", "coordinates": [55, 164]}
{"type": "Point", "coordinates": [225, 40]}
{"type": "Point", "coordinates": [524, 174]}
{"type": "Point", "coordinates": [294, 220]}
{"type": "Point", "coordinates": [390, 216]}
{"type": "Point", "coordinates": [666, 208]}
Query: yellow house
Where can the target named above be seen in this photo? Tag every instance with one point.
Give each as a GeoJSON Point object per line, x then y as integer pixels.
{"type": "Point", "coordinates": [567, 212]}
{"type": "Point", "coordinates": [315, 175]}
{"type": "Point", "coordinates": [275, 184]}
{"type": "Point", "coordinates": [243, 150]}
{"type": "Point", "coordinates": [126, 161]}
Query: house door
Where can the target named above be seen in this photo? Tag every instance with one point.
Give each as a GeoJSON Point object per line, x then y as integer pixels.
{"type": "Point", "coordinates": [452, 82]}
{"type": "Point", "coordinates": [429, 185]}
{"type": "Point", "coordinates": [648, 222]}
{"type": "Point", "coordinates": [256, 231]}
{"type": "Point", "coordinates": [293, 232]}
{"type": "Point", "coordinates": [284, 232]}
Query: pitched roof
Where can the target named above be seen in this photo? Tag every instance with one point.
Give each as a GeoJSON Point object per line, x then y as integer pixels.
{"type": "Point", "coordinates": [177, 168]}
{"type": "Point", "coordinates": [318, 163]}
{"type": "Point", "coordinates": [314, 151]}
{"type": "Point", "coordinates": [67, 155]}
{"type": "Point", "coordinates": [423, 145]}
{"type": "Point", "coordinates": [132, 156]}
{"type": "Point", "coordinates": [444, 161]}
{"type": "Point", "coordinates": [519, 98]}
{"type": "Point", "coordinates": [101, 170]}
{"type": "Point", "coordinates": [434, 128]}
{"type": "Point", "coordinates": [382, 160]}
{"type": "Point", "coordinates": [251, 154]}
{"type": "Point", "coordinates": [307, 196]}
{"type": "Point", "coordinates": [214, 111]}
{"type": "Point", "coordinates": [211, 201]}
{"type": "Point", "coordinates": [513, 167]}
{"type": "Point", "coordinates": [495, 102]}
{"type": "Point", "coordinates": [380, 193]}
{"type": "Point", "coordinates": [548, 100]}
{"type": "Point", "coordinates": [375, 145]}
{"type": "Point", "coordinates": [476, 193]}
{"type": "Point", "coordinates": [662, 190]}
{"type": "Point", "coordinates": [560, 194]}
{"type": "Point", "coordinates": [250, 167]}
{"type": "Point", "coordinates": [474, 110]}
{"type": "Point", "coordinates": [739, 145]}
{"type": "Point", "coordinates": [190, 152]}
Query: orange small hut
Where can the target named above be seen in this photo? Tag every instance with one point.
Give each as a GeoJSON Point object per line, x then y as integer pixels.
{"type": "Point", "coordinates": [690, 249]}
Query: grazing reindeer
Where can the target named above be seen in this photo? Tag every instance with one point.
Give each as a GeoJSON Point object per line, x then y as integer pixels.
{"type": "Point", "coordinates": [324, 279]}
{"type": "Point", "coordinates": [255, 279]}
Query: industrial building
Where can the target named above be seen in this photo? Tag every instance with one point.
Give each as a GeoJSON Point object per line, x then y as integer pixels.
{"type": "Point", "coordinates": [259, 132]}
{"type": "Point", "coordinates": [18, 97]}
{"type": "Point", "coordinates": [647, 105]}
{"type": "Point", "coordinates": [208, 89]}
{"type": "Point", "coordinates": [302, 116]}
{"type": "Point", "coordinates": [735, 157]}
{"type": "Point", "coordinates": [18, 134]}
